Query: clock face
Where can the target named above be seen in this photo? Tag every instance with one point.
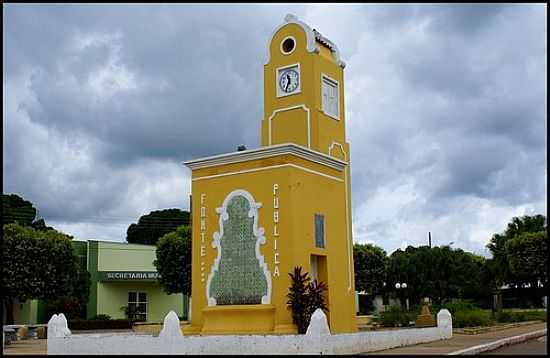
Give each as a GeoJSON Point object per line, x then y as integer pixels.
{"type": "Point", "coordinates": [289, 80]}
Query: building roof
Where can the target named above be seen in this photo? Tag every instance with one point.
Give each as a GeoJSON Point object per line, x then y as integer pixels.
{"type": "Point", "coordinates": [266, 152]}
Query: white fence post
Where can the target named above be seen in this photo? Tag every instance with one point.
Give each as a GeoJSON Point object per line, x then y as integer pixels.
{"type": "Point", "coordinates": [445, 324]}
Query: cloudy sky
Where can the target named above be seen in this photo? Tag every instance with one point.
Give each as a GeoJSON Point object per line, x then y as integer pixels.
{"type": "Point", "coordinates": [446, 110]}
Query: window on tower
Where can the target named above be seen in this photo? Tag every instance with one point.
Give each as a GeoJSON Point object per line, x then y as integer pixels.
{"type": "Point", "coordinates": [319, 231]}
{"type": "Point", "coordinates": [329, 92]}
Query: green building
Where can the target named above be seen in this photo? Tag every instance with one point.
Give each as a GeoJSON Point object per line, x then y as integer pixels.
{"type": "Point", "coordinates": [122, 277]}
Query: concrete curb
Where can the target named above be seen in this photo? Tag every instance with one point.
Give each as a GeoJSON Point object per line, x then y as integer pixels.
{"type": "Point", "coordinates": [500, 343]}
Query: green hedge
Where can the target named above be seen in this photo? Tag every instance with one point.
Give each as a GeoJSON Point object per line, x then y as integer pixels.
{"type": "Point", "coordinates": [101, 317]}
{"type": "Point", "coordinates": [456, 305]}
{"type": "Point", "coordinates": [394, 316]}
{"type": "Point", "coordinates": [100, 324]}
{"type": "Point", "coordinates": [471, 318]}
{"type": "Point", "coordinates": [510, 316]}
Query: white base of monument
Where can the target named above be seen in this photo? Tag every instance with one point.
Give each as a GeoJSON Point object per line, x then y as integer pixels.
{"type": "Point", "coordinates": [317, 340]}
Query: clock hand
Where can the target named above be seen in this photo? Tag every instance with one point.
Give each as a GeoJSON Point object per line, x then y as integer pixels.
{"type": "Point", "coordinates": [287, 81]}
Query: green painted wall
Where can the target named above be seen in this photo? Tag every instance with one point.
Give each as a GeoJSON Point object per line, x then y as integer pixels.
{"type": "Point", "coordinates": [111, 296]}
{"type": "Point", "coordinates": [26, 312]}
{"type": "Point", "coordinates": [125, 257]}
{"type": "Point", "coordinates": [81, 250]}
{"type": "Point", "coordinates": [91, 308]}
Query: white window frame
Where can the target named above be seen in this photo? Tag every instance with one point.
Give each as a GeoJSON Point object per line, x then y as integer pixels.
{"type": "Point", "coordinates": [137, 302]}
{"type": "Point", "coordinates": [278, 90]}
{"type": "Point", "coordinates": [334, 82]}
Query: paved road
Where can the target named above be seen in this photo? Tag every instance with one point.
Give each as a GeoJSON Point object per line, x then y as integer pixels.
{"type": "Point", "coordinates": [533, 346]}
{"type": "Point", "coordinates": [27, 346]}
{"type": "Point", "coordinates": [460, 341]}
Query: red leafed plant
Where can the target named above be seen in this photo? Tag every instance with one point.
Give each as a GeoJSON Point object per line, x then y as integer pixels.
{"type": "Point", "coordinates": [304, 297]}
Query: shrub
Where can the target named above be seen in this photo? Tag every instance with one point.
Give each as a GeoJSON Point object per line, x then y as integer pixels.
{"type": "Point", "coordinates": [395, 317]}
{"type": "Point", "coordinates": [101, 317]}
{"type": "Point", "coordinates": [471, 318]}
{"type": "Point", "coordinates": [503, 316]}
{"type": "Point", "coordinates": [534, 315]}
{"type": "Point", "coordinates": [456, 305]}
{"type": "Point", "coordinates": [304, 297]}
{"type": "Point", "coordinates": [100, 324]}
{"type": "Point", "coordinates": [510, 316]}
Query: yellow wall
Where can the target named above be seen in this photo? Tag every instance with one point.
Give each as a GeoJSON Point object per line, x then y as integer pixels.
{"type": "Point", "coordinates": [289, 126]}
{"type": "Point", "coordinates": [299, 199]}
{"type": "Point", "coordinates": [306, 188]}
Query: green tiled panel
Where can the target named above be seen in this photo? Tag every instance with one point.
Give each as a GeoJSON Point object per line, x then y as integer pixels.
{"type": "Point", "coordinates": [239, 279]}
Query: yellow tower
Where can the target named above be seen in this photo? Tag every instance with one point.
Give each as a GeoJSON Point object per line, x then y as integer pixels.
{"type": "Point", "coordinates": [304, 91]}
{"type": "Point", "coordinates": [259, 213]}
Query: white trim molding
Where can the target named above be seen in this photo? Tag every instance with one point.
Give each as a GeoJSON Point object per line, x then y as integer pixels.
{"type": "Point", "coordinates": [267, 168]}
{"type": "Point", "coordinates": [333, 48]}
{"type": "Point", "coordinates": [310, 36]}
{"type": "Point", "coordinates": [277, 111]}
{"type": "Point", "coordinates": [335, 143]}
{"type": "Point", "coordinates": [258, 234]}
{"type": "Point", "coordinates": [268, 152]}
{"type": "Point", "coordinates": [349, 241]}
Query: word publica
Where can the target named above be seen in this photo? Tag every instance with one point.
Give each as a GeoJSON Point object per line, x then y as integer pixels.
{"type": "Point", "coordinates": [276, 261]}
{"type": "Point", "coordinates": [203, 233]}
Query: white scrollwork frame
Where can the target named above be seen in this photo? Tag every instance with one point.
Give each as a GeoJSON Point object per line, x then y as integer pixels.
{"type": "Point", "coordinates": [258, 233]}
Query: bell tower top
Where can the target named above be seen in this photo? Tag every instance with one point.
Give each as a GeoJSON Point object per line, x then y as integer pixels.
{"type": "Point", "coordinates": [303, 89]}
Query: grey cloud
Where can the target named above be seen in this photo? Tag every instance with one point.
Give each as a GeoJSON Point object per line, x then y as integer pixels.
{"type": "Point", "coordinates": [446, 108]}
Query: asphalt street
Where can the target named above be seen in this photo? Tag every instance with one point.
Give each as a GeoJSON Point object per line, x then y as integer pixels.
{"type": "Point", "coordinates": [533, 346]}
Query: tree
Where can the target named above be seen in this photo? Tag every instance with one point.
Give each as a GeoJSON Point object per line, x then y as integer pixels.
{"type": "Point", "coordinates": [73, 303]}
{"type": "Point", "coordinates": [370, 268]}
{"type": "Point", "coordinates": [17, 209]}
{"type": "Point", "coordinates": [441, 273]}
{"type": "Point", "coordinates": [173, 260]}
{"type": "Point", "coordinates": [497, 245]}
{"type": "Point", "coordinates": [527, 256]}
{"type": "Point", "coordinates": [36, 265]}
{"type": "Point", "coordinates": [154, 225]}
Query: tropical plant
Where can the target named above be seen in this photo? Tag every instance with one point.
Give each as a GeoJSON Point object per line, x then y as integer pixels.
{"type": "Point", "coordinates": [304, 297]}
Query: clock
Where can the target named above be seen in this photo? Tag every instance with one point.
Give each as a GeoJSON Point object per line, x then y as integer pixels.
{"type": "Point", "coordinates": [289, 80]}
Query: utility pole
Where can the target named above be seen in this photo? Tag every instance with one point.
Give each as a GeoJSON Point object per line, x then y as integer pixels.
{"type": "Point", "coordinates": [430, 239]}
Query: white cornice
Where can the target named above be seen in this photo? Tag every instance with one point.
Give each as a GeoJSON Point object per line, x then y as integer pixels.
{"type": "Point", "coordinates": [267, 152]}
{"type": "Point", "coordinates": [333, 48]}
{"type": "Point", "coordinates": [311, 37]}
